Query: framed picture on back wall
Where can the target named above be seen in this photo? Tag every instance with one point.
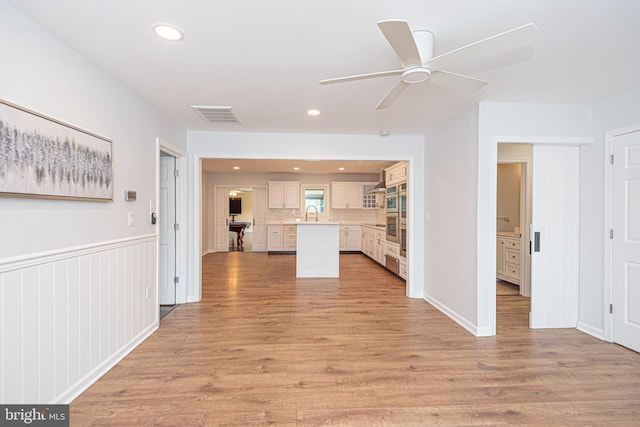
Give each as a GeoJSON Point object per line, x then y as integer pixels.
{"type": "Point", "coordinates": [44, 157]}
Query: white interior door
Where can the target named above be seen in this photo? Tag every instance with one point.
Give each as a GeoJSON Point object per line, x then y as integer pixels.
{"type": "Point", "coordinates": [260, 219]}
{"type": "Point", "coordinates": [626, 241]}
{"type": "Point", "coordinates": [166, 223]}
{"type": "Point", "coordinates": [221, 218]}
{"type": "Point", "coordinates": [555, 226]}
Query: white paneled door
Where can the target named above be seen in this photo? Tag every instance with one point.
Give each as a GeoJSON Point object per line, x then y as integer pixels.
{"type": "Point", "coordinates": [221, 215]}
{"type": "Point", "coordinates": [626, 241]}
{"type": "Point", "coordinates": [166, 229]}
{"type": "Point", "coordinates": [554, 237]}
{"type": "Point", "coordinates": [260, 219]}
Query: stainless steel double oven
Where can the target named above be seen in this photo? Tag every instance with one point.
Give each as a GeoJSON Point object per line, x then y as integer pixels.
{"type": "Point", "coordinates": [396, 221]}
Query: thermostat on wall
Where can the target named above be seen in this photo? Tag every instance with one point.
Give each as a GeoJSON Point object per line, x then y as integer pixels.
{"type": "Point", "coordinates": [129, 195]}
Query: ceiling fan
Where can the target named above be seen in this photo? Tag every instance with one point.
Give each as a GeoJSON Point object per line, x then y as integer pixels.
{"type": "Point", "coordinates": [415, 51]}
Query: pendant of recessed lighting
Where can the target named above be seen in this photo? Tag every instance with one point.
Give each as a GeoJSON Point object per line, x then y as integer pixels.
{"type": "Point", "coordinates": [168, 32]}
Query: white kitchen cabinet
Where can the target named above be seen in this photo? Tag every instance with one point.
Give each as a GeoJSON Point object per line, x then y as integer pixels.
{"type": "Point", "coordinates": [282, 237]}
{"type": "Point", "coordinates": [396, 173]}
{"type": "Point", "coordinates": [290, 237]}
{"type": "Point", "coordinates": [380, 241]}
{"type": "Point", "coordinates": [508, 259]}
{"type": "Point", "coordinates": [276, 238]}
{"type": "Point", "coordinates": [350, 238]}
{"type": "Point", "coordinates": [284, 194]}
{"type": "Point", "coordinates": [346, 195]}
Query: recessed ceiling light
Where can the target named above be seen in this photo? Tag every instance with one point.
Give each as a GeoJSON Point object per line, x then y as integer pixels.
{"type": "Point", "coordinates": [341, 169]}
{"type": "Point", "coordinates": [296, 168]}
{"type": "Point", "coordinates": [313, 112]}
{"type": "Point", "coordinates": [167, 32]}
{"type": "Point", "coordinates": [236, 167]}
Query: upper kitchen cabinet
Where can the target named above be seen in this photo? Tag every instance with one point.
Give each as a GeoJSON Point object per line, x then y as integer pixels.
{"type": "Point", "coordinates": [284, 194]}
{"type": "Point", "coordinates": [352, 195]}
{"type": "Point", "coordinates": [346, 195]}
{"type": "Point", "coordinates": [396, 173]}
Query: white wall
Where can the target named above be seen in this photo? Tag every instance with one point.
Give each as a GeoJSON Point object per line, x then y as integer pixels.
{"type": "Point", "coordinates": [64, 265]}
{"type": "Point", "coordinates": [508, 195]}
{"type": "Point", "coordinates": [450, 202]}
{"type": "Point", "coordinates": [315, 146]}
{"type": "Point", "coordinates": [609, 114]}
{"type": "Point", "coordinates": [514, 123]}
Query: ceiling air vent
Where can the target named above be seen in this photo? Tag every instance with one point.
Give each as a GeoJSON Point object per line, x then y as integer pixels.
{"type": "Point", "coordinates": [216, 114]}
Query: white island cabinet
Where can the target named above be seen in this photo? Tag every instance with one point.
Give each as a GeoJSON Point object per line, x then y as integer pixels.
{"type": "Point", "coordinates": [318, 249]}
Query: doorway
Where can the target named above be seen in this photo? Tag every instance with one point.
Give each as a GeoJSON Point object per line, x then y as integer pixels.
{"type": "Point", "coordinates": [167, 276]}
{"type": "Point", "coordinates": [240, 218]}
{"type": "Point", "coordinates": [547, 242]}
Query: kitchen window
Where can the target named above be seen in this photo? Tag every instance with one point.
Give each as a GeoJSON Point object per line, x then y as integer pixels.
{"type": "Point", "coordinates": [316, 195]}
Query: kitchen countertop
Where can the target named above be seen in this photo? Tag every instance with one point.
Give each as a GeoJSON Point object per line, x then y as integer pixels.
{"type": "Point", "coordinates": [364, 224]}
{"type": "Point", "coordinates": [508, 234]}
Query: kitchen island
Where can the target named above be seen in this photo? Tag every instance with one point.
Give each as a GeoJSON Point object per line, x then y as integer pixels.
{"type": "Point", "coordinates": [318, 249]}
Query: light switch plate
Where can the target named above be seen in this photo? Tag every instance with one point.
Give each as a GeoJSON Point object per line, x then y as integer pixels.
{"type": "Point", "coordinates": [131, 218]}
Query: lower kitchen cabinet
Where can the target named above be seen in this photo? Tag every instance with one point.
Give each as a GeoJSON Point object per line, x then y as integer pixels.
{"type": "Point", "coordinates": [282, 238]}
{"type": "Point", "coordinates": [350, 238]}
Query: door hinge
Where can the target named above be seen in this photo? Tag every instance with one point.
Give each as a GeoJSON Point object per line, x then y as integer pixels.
{"type": "Point", "coordinates": [176, 227]}
{"type": "Point", "coordinates": [611, 233]}
{"type": "Point", "coordinates": [610, 308]}
{"type": "Point", "coordinates": [176, 280]}
{"type": "Point", "coordinates": [176, 173]}
{"type": "Point", "coordinates": [611, 159]}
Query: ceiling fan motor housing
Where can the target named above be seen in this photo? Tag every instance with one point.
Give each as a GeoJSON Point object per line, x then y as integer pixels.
{"type": "Point", "coordinates": [424, 44]}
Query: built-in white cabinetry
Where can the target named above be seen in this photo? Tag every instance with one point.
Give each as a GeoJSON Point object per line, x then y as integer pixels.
{"type": "Point", "coordinates": [290, 237]}
{"type": "Point", "coordinates": [508, 258]}
{"type": "Point", "coordinates": [284, 194]}
{"type": "Point", "coordinates": [350, 238]}
{"type": "Point", "coordinates": [282, 237]}
{"type": "Point", "coordinates": [346, 195]}
{"type": "Point", "coordinates": [373, 243]}
{"type": "Point", "coordinates": [352, 195]}
{"type": "Point", "coordinates": [396, 173]}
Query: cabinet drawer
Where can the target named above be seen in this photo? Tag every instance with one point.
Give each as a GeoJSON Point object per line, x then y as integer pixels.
{"type": "Point", "coordinates": [393, 249]}
{"type": "Point", "coordinates": [512, 256]}
{"type": "Point", "coordinates": [290, 229]}
{"type": "Point", "coordinates": [512, 244]}
{"type": "Point", "coordinates": [512, 271]}
{"type": "Point", "coordinates": [289, 237]}
{"type": "Point", "coordinates": [290, 246]}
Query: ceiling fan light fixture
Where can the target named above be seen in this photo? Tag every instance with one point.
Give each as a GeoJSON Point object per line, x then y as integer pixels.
{"type": "Point", "coordinates": [416, 75]}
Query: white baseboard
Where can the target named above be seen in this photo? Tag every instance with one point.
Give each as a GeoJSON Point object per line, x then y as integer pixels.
{"type": "Point", "coordinates": [479, 332]}
{"type": "Point", "coordinates": [590, 330]}
{"type": "Point", "coordinates": [88, 380]}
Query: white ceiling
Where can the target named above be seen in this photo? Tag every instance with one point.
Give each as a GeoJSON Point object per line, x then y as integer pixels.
{"type": "Point", "coordinates": [265, 58]}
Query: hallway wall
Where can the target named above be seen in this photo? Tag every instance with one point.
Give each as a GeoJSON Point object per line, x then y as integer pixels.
{"type": "Point", "coordinates": [74, 276]}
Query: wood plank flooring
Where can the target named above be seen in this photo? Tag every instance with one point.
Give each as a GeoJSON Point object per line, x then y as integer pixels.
{"type": "Point", "coordinates": [263, 348]}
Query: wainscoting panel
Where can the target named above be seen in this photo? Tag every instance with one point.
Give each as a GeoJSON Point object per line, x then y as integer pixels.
{"type": "Point", "coordinates": [68, 316]}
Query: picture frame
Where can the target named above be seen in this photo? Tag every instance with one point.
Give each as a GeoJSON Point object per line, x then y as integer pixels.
{"type": "Point", "coordinates": [46, 158]}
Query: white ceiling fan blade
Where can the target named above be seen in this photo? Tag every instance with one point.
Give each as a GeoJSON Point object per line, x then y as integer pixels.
{"type": "Point", "coordinates": [361, 77]}
{"type": "Point", "coordinates": [456, 81]}
{"type": "Point", "coordinates": [392, 95]}
{"type": "Point", "coordinates": [516, 38]}
{"type": "Point", "coordinates": [401, 39]}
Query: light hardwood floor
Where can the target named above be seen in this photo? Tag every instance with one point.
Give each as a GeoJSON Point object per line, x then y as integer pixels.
{"type": "Point", "coordinates": [263, 348]}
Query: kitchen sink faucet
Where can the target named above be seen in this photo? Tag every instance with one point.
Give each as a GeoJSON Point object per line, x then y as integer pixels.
{"type": "Point", "coordinates": [306, 214]}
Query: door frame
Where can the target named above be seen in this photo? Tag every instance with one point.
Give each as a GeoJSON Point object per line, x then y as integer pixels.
{"type": "Point", "coordinates": [181, 217]}
{"type": "Point", "coordinates": [610, 137]}
{"type": "Point", "coordinates": [489, 288]}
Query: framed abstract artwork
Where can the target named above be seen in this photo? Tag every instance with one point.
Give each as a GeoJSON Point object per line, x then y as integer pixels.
{"type": "Point", "coordinates": [44, 157]}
